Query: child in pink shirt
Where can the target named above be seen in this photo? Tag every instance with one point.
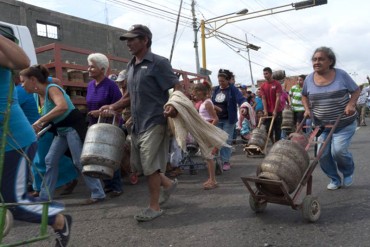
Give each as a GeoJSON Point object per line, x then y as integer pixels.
{"type": "Point", "coordinates": [208, 113]}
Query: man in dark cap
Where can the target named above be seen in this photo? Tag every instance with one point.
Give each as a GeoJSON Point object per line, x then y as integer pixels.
{"type": "Point", "coordinates": [149, 77]}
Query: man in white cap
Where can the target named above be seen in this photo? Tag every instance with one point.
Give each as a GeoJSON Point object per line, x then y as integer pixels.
{"type": "Point", "coordinates": [121, 81]}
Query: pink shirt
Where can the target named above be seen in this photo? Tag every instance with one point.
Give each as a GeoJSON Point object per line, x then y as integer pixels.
{"type": "Point", "coordinates": [283, 100]}
{"type": "Point", "coordinates": [203, 111]}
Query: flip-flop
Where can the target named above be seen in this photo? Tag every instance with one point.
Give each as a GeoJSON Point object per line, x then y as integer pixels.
{"type": "Point", "coordinates": [148, 214]}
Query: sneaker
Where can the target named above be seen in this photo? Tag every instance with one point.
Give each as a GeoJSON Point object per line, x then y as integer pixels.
{"type": "Point", "coordinates": [348, 181]}
{"type": "Point", "coordinates": [115, 194]}
{"type": "Point", "coordinates": [333, 185]}
{"type": "Point", "coordinates": [166, 193]}
{"type": "Point", "coordinates": [62, 236]}
{"type": "Point", "coordinates": [226, 166]}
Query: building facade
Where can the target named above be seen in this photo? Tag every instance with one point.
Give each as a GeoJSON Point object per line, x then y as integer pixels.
{"type": "Point", "coordinates": [48, 27]}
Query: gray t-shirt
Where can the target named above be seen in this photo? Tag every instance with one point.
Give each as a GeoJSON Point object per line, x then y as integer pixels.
{"type": "Point", "coordinates": [329, 101]}
{"type": "Point", "coordinates": [148, 83]}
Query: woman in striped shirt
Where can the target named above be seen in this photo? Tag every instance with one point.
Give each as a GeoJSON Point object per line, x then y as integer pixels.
{"type": "Point", "coordinates": [327, 93]}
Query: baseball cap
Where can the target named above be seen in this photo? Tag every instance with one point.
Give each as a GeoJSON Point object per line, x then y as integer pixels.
{"type": "Point", "coordinates": [112, 77]}
{"type": "Point", "coordinates": [137, 30]}
{"type": "Point", "coordinates": [121, 75]}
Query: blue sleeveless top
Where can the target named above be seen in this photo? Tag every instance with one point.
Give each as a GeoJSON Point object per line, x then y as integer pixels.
{"type": "Point", "coordinates": [49, 104]}
{"type": "Point", "coordinates": [20, 131]}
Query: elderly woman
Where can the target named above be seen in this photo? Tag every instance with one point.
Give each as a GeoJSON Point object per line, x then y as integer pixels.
{"type": "Point", "coordinates": [227, 97]}
{"type": "Point", "coordinates": [102, 91]}
{"type": "Point", "coordinates": [68, 126]}
{"type": "Point", "coordinates": [327, 93]}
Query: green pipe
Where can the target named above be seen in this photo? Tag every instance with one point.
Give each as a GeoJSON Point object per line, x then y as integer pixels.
{"type": "Point", "coordinates": [2, 222]}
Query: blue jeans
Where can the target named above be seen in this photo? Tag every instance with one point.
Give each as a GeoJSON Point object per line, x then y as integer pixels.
{"type": "Point", "coordinates": [115, 183]}
{"type": "Point", "coordinates": [225, 152]}
{"type": "Point", "coordinates": [66, 139]}
{"type": "Point", "coordinates": [336, 155]}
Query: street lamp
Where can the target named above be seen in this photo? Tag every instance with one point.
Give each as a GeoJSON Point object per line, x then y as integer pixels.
{"type": "Point", "coordinates": [245, 15]}
{"type": "Point", "coordinates": [214, 20]}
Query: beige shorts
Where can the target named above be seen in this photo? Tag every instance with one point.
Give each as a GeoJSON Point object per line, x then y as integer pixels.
{"type": "Point", "coordinates": [149, 150]}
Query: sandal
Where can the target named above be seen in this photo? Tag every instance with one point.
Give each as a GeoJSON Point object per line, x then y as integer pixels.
{"type": "Point", "coordinates": [35, 194]}
{"type": "Point", "coordinates": [148, 214]}
{"type": "Point", "coordinates": [69, 187]}
{"type": "Point", "coordinates": [210, 186]}
{"type": "Point", "coordinates": [175, 172]}
{"type": "Point", "coordinates": [206, 182]}
{"type": "Point", "coordinates": [91, 201]}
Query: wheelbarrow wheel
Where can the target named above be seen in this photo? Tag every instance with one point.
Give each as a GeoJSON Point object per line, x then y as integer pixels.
{"type": "Point", "coordinates": [8, 222]}
{"type": "Point", "coordinates": [311, 208]}
{"type": "Point", "coordinates": [257, 206]}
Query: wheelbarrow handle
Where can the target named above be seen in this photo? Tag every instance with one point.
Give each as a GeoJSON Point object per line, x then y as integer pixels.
{"type": "Point", "coordinates": [269, 132]}
{"type": "Point", "coordinates": [43, 131]}
{"type": "Point", "coordinates": [262, 118]}
{"type": "Point", "coordinates": [321, 150]}
{"type": "Point", "coordinates": [301, 124]}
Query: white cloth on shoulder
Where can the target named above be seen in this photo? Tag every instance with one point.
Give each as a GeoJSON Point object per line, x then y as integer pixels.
{"type": "Point", "coordinates": [251, 113]}
{"type": "Point", "coordinates": [188, 120]}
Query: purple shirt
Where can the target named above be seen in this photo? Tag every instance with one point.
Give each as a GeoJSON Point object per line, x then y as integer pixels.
{"type": "Point", "coordinates": [105, 93]}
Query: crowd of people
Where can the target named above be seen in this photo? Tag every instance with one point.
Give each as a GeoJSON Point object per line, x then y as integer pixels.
{"type": "Point", "coordinates": [142, 90]}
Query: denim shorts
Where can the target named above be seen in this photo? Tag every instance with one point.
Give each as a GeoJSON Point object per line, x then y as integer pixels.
{"type": "Point", "coordinates": [149, 150]}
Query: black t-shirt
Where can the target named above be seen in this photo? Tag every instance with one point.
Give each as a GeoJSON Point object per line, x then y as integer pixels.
{"type": "Point", "coordinates": [221, 101]}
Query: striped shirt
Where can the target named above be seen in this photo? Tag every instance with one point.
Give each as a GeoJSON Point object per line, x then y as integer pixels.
{"type": "Point", "coordinates": [329, 101]}
{"type": "Point", "coordinates": [362, 99]}
{"type": "Point", "coordinates": [296, 98]}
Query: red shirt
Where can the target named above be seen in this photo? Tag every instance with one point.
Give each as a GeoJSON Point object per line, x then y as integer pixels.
{"type": "Point", "coordinates": [269, 90]}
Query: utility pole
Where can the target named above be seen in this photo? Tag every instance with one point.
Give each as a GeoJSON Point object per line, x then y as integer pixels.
{"type": "Point", "coordinates": [195, 29]}
{"type": "Point", "coordinates": [250, 64]}
{"type": "Point", "coordinates": [177, 27]}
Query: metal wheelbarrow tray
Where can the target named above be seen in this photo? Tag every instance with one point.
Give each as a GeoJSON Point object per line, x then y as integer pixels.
{"type": "Point", "coordinates": [310, 205]}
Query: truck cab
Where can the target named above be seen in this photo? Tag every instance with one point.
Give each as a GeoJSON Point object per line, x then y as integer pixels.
{"type": "Point", "coordinates": [22, 33]}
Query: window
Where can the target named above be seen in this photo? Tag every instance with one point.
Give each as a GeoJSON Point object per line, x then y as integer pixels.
{"type": "Point", "coordinates": [47, 30]}
{"type": "Point", "coordinates": [7, 32]}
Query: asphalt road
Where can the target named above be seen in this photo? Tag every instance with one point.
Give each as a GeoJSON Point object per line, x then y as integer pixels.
{"type": "Point", "coordinates": [221, 217]}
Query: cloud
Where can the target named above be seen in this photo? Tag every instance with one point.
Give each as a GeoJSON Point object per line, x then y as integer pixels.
{"type": "Point", "coordinates": [287, 40]}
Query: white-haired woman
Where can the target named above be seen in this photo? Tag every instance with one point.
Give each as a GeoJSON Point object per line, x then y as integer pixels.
{"type": "Point", "coordinates": [102, 91]}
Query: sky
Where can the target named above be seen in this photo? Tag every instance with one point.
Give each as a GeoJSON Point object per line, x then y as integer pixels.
{"type": "Point", "coordinates": [287, 40]}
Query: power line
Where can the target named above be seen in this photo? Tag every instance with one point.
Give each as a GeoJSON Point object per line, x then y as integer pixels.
{"type": "Point", "coordinates": [165, 15]}
{"type": "Point", "coordinates": [225, 39]}
{"type": "Point", "coordinates": [160, 10]}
